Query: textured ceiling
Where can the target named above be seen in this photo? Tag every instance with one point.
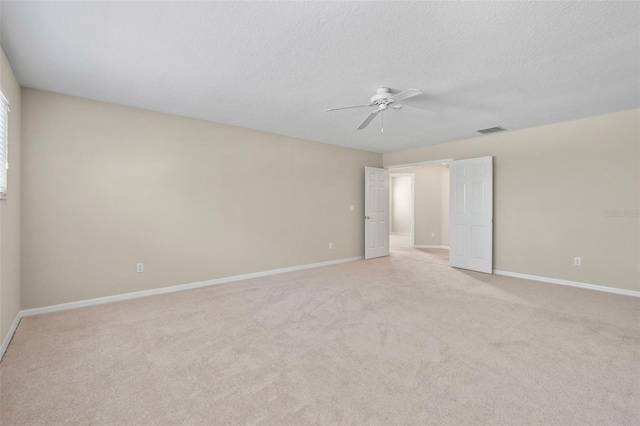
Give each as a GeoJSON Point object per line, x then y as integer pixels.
{"type": "Point", "coordinates": [277, 66]}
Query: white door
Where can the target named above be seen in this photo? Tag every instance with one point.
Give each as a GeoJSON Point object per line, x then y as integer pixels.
{"type": "Point", "coordinates": [471, 214]}
{"type": "Point", "coordinates": [376, 220]}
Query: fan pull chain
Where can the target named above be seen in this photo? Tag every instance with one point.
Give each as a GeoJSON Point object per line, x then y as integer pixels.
{"type": "Point", "coordinates": [382, 118]}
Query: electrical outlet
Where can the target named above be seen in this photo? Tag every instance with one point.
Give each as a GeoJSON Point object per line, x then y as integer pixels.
{"type": "Point", "coordinates": [330, 246]}
{"type": "Point", "coordinates": [433, 234]}
{"type": "Point", "coordinates": [140, 267]}
{"type": "Point", "coordinates": [577, 261]}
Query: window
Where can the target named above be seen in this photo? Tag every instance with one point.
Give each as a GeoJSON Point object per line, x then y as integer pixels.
{"type": "Point", "coordinates": [4, 123]}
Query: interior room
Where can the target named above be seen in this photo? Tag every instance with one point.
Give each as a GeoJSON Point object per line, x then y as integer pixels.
{"type": "Point", "coordinates": [292, 213]}
{"type": "Point", "coordinates": [401, 210]}
{"type": "Point", "coordinates": [419, 207]}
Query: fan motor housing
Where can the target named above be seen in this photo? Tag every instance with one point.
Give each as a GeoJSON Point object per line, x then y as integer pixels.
{"type": "Point", "coordinates": [381, 94]}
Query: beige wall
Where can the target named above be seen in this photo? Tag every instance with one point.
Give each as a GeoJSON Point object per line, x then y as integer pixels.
{"type": "Point", "coordinates": [431, 204]}
{"type": "Point", "coordinates": [400, 208]}
{"type": "Point", "coordinates": [10, 207]}
{"type": "Point", "coordinates": [552, 187]}
{"type": "Point", "coordinates": [107, 186]}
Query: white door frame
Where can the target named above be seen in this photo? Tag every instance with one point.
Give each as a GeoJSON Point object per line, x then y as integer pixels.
{"type": "Point", "coordinates": [419, 163]}
{"type": "Point", "coordinates": [413, 203]}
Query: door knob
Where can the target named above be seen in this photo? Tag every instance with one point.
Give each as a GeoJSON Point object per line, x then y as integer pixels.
{"type": "Point", "coordinates": [367, 217]}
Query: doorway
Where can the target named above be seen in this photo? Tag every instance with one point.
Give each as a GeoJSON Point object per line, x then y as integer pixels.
{"type": "Point", "coordinates": [466, 225]}
{"type": "Point", "coordinates": [401, 210]}
{"type": "Point", "coordinates": [424, 191]}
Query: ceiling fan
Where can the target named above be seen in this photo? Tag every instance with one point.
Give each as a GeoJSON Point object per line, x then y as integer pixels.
{"type": "Point", "coordinates": [382, 100]}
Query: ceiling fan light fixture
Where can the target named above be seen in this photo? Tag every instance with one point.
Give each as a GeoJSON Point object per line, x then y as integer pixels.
{"type": "Point", "coordinates": [383, 99]}
{"type": "Point", "coordinates": [381, 94]}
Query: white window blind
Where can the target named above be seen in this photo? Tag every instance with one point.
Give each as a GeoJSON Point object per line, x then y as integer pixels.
{"type": "Point", "coordinates": [4, 123]}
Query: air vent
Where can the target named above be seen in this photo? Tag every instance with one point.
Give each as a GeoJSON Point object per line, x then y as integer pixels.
{"type": "Point", "coordinates": [492, 130]}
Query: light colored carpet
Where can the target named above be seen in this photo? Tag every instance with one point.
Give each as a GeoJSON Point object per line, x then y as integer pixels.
{"type": "Point", "coordinates": [398, 340]}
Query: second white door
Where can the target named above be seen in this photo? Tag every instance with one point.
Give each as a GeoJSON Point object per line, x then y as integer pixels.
{"type": "Point", "coordinates": [471, 214]}
{"type": "Point", "coordinates": [376, 220]}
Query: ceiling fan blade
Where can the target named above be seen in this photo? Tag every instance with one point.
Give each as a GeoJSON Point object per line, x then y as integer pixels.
{"type": "Point", "coordinates": [369, 119]}
{"type": "Point", "coordinates": [409, 93]}
{"type": "Point", "coordinates": [349, 107]}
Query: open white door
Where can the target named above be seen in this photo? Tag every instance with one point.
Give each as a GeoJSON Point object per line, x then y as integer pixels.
{"type": "Point", "coordinates": [471, 214]}
{"type": "Point", "coordinates": [376, 220]}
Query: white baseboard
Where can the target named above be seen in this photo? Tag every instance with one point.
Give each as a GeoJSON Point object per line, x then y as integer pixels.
{"type": "Point", "coordinates": [569, 283]}
{"type": "Point", "coordinates": [175, 288]}
{"type": "Point", "coordinates": [400, 233]}
{"type": "Point", "coordinates": [9, 336]}
{"type": "Point", "coordinates": [434, 247]}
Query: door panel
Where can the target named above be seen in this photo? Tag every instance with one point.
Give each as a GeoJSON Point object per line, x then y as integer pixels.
{"type": "Point", "coordinates": [471, 214]}
{"type": "Point", "coordinates": [459, 203]}
{"type": "Point", "coordinates": [376, 212]}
